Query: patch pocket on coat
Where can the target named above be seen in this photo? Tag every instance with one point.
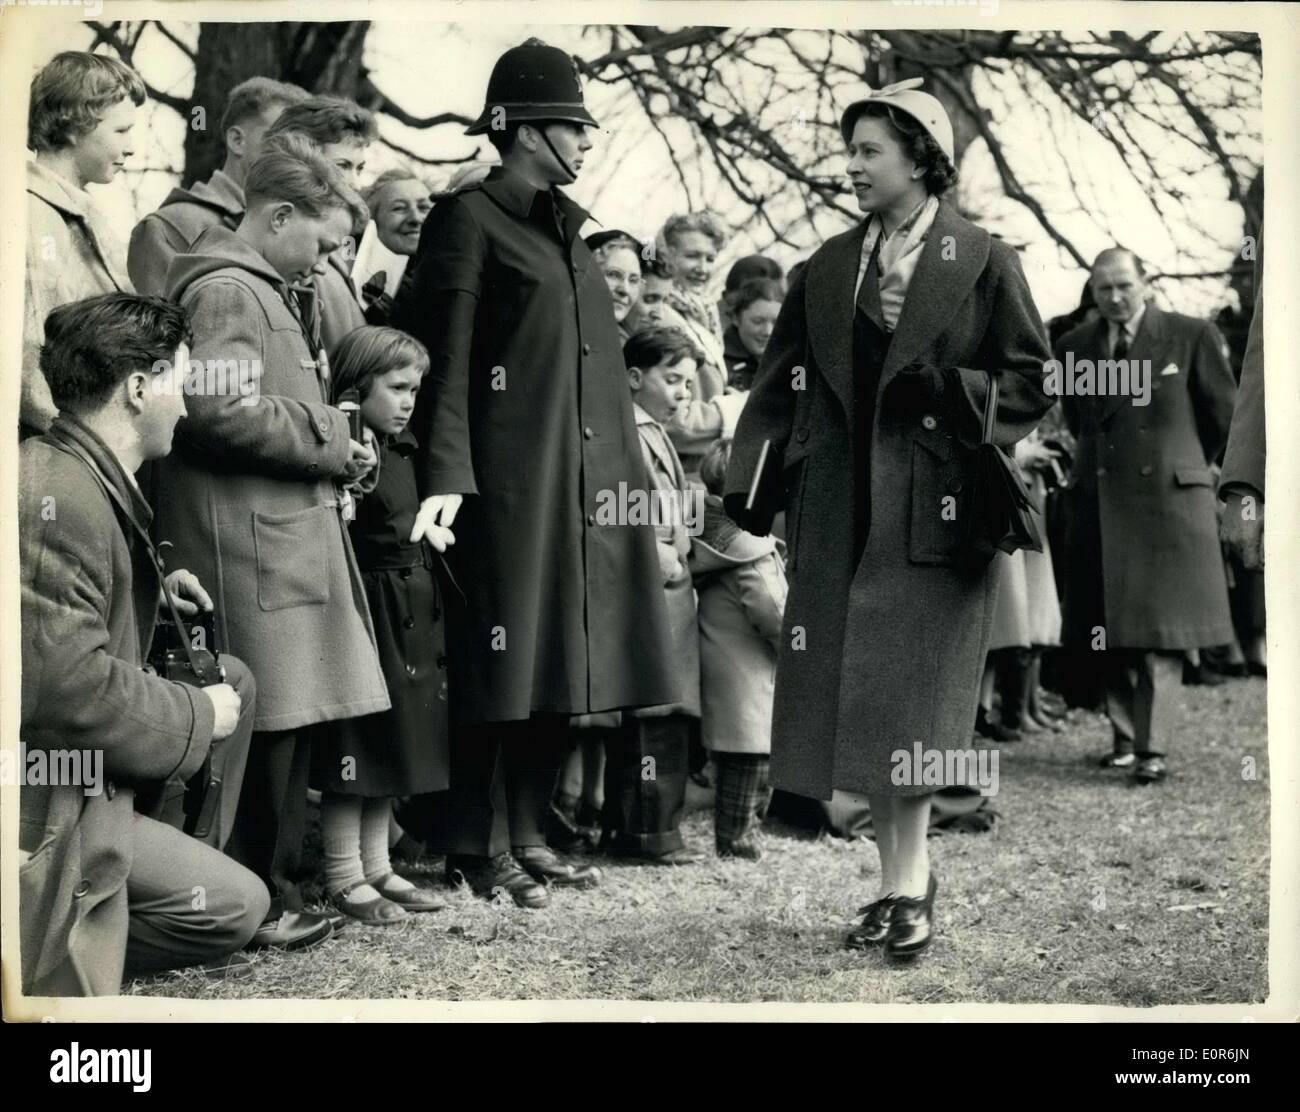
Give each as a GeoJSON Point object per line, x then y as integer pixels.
{"type": "Point", "coordinates": [290, 549]}
{"type": "Point", "coordinates": [940, 498]}
{"type": "Point", "coordinates": [1193, 476]}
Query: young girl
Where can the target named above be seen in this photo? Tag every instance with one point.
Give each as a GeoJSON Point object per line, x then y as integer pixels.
{"type": "Point", "coordinates": [365, 762]}
{"type": "Point", "coordinates": [740, 579]}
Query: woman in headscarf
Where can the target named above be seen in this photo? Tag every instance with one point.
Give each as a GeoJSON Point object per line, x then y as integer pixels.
{"type": "Point", "coordinates": [871, 393]}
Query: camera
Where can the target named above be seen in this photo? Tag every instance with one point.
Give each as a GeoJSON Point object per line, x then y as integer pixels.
{"type": "Point", "coordinates": [350, 403]}
{"type": "Point", "coordinates": [169, 658]}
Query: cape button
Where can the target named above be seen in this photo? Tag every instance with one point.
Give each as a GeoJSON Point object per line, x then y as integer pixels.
{"type": "Point", "coordinates": [81, 890]}
{"type": "Point", "coordinates": [110, 789]}
{"type": "Point", "coordinates": [409, 623]}
{"type": "Point", "coordinates": [801, 435]}
{"type": "Point", "coordinates": [591, 519]}
{"type": "Point", "coordinates": [954, 485]}
{"type": "Point", "coordinates": [1147, 469]}
{"type": "Point", "coordinates": [929, 423]}
{"type": "Point", "coordinates": [586, 349]}
{"type": "Point", "coordinates": [588, 433]}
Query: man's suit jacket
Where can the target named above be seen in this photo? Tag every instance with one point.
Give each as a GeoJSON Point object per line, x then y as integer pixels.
{"type": "Point", "coordinates": [1243, 462]}
{"type": "Point", "coordinates": [1142, 533]}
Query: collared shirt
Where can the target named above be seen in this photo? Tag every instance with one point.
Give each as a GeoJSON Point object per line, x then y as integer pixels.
{"type": "Point", "coordinates": [1130, 328]}
{"type": "Point", "coordinates": [900, 251]}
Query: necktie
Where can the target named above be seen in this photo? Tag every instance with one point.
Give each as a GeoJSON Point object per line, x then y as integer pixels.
{"type": "Point", "coordinates": [869, 291]}
{"type": "Point", "coordinates": [1120, 350]}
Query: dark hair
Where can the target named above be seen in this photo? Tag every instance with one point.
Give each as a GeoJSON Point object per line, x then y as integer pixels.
{"type": "Point", "coordinates": [72, 92]}
{"type": "Point", "coordinates": [250, 97]}
{"type": "Point", "coordinates": [756, 289]}
{"type": "Point", "coordinates": [367, 352]}
{"type": "Point", "coordinates": [713, 468]}
{"type": "Point", "coordinates": [94, 345]}
{"type": "Point", "coordinates": [503, 138]}
{"type": "Point", "coordinates": [326, 119]}
{"type": "Point", "coordinates": [659, 344]}
{"type": "Point", "coordinates": [750, 267]}
{"type": "Point", "coordinates": [920, 146]}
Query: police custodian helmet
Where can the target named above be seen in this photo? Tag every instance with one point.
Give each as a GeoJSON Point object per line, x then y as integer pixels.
{"type": "Point", "coordinates": [530, 83]}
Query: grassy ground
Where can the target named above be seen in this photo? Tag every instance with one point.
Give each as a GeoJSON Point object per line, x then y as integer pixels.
{"type": "Point", "coordinates": [1088, 890]}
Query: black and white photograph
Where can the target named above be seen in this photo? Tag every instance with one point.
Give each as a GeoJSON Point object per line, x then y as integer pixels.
{"type": "Point", "coordinates": [751, 505]}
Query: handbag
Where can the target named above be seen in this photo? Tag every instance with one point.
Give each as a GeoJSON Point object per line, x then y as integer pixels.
{"type": "Point", "coordinates": [999, 518]}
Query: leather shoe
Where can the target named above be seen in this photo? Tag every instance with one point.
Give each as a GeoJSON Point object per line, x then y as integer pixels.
{"type": "Point", "coordinates": [410, 899]}
{"type": "Point", "coordinates": [293, 930]}
{"type": "Point", "coordinates": [910, 929]}
{"type": "Point", "coordinates": [1150, 770]}
{"type": "Point", "coordinates": [545, 866]}
{"type": "Point", "coordinates": [379, 912]}
{"type": "Point", "coordinates": [1117, 760]}
{"type": "Point", "coordinates": [874, 926]}
{"type": "Point", "coordinates": [486, 876]}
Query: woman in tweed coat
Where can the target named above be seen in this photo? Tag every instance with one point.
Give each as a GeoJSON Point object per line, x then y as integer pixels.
{"type": "Point", "coordinates": [872, 388]}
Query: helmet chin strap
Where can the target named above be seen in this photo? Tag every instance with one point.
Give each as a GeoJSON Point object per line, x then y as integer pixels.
{"type": "Point", "coordinates": [558, 158]}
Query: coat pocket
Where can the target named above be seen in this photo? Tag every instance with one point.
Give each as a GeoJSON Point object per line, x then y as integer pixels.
{"type": "Point", "coordinates": [290, 550]}
{"type": "Point", "coordinates": [940, 499]}
{"type": "Point", "coordinates": [1193, 476]}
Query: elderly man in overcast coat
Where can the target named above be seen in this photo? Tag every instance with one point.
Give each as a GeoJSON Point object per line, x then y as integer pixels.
{"type": "Point", "coordinates": [1145, 578]}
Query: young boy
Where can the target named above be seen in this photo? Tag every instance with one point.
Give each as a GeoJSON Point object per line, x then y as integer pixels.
{"type": "Point", "coordinates": [647, 762]}
{"type": "Point", "coordinates": [342, 131]}
{"type": "Point", "coordinates": [250, 499]}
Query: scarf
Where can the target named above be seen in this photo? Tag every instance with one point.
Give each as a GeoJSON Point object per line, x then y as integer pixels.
{"type": "Point", "coordinates": [900, 251]}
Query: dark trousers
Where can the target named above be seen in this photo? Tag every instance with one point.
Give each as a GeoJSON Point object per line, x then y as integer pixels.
{"type": "Point", "coordinates": [229, 764]}
{"type": "Point", "coordinates": [647, 763]}
{"type": "Point", "coordinates": [502, 778]}
{"type": "Point", "coordinates": [272, 814]}
{"type": "Point", "coordinates": [1142, 692]}
{"type": "Point", "coordinates": [187, 903]}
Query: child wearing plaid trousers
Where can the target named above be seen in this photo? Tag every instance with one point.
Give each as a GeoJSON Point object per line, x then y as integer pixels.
{"type": "Point", "coordinates": [740, 581]}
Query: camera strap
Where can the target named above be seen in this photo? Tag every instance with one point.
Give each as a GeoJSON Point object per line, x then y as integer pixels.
{"type": "Point", "coordinates": [116, 497]}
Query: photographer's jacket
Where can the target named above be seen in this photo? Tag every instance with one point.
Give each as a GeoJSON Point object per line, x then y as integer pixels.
{"type": "Point", "coordinates": [247, 495]}
{"type": "Point", "coordinates": [526, 411]}
{"type": "Point", "coordinates": [89, 603]}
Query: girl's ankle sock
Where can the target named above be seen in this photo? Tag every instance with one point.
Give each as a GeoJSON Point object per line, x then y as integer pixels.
{"type": "Point", "coordinates": [375, 865]}
{"type": "Point", "coordinates": [340, 820]}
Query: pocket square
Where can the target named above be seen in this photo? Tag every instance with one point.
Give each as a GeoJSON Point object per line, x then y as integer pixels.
{"type": "Point", "coordinates": [1172, 369]}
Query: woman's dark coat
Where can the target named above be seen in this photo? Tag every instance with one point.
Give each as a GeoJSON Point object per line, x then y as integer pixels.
{"type": "Point", "coordinates": [526, 411]}
{"type": "Point", "coordinates": [885, 652]}
{"type": "Point", "coordinates": [405, 750]}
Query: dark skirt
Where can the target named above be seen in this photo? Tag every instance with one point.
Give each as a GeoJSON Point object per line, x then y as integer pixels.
{"type": "Point", "coordinates": [404, 750]}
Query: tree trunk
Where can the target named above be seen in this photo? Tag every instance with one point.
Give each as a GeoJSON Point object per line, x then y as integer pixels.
{"type": "Point", "coordinates": [321, 57]}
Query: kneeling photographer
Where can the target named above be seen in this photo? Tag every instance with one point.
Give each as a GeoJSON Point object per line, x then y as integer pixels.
{"type": "Point", "coordinates": [104, 889]}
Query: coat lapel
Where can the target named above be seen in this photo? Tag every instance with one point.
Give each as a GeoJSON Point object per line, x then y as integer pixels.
{"type": "Point", "coordinates": [1147, 344]}
{"type": "Point", "coordinates": [953, 257]}
{"type": "Point", "coordinates": [829, 309]}
{"type": "Point", "coordinates": [941, 282]}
